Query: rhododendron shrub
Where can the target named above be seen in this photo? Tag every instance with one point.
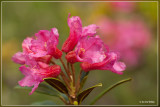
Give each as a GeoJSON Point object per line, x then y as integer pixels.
{"type": "Point", "coordinates": [40, 55]}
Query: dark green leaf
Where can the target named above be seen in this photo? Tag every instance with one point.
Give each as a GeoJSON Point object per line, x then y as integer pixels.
{"type": "Point", "coordinates": [47, 102]}
{"type": "Point", "coordinates": [83, 82]}
{"type": "Point", "coordinates": [42, 88]}
{"type": "Point", "coordinates": [57, 84]}
{"type": "Point", "coordinates": [84, 74]}
{"type": "Point", "coordinates": [86, 92]}
{"type": "Point", "coordinates": [108, 89]}
{"type": "Point", "coordinates": [83, 79]}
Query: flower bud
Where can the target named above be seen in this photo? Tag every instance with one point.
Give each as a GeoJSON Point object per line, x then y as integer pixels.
{"type": "Point", "coordinates": [71, 57]}
{"type": "Point", "coordinates": [57, 54]}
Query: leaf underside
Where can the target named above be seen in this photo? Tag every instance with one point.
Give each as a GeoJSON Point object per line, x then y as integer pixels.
{"type": "Point", "coordinates": [57, 84]}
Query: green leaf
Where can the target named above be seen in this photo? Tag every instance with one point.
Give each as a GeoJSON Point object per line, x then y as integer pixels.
{"type": "Point", "coordinates": [42, 88]}
{"type": "Point", "coordinates": [83, 82]}
{"type": "Point", "coordinates": [86, 92]}
{"type": "Point", "coordinates": [108, 89]}
{"type": "Point", "coordinates": [64, 96]}
{"type": "Point", "coordinates": [47, 102]}
{"type": "Point", "coordinates": [83, 75]}
{"type": "Point", "coordinates": [57, 84]}
{"type": "Point", "coordinates": [83, 79]}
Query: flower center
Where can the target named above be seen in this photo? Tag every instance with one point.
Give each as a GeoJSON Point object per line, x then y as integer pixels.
{"type": "Point", "coordinates": [45, 44]}
{"type": "Point", "coordinates": [81, 51]}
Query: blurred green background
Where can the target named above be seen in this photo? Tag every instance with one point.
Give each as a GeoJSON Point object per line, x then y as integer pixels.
{"type": "Point", "coordinates": [22, 19]}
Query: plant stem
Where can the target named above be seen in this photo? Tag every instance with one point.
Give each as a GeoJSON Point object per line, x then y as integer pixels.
{"type": "Point", "coordinates": [78, 81]}
{"type": "Point", "coordinates": [73, 74]}
{"type": "Point", "coordinates": [67, 71]}
{"type": "Point", "coordinates": [52, 62]}
{"type": "Point", "coordinates": [108, 89]}
{"type": "Point", "coordinates": [65, 80]}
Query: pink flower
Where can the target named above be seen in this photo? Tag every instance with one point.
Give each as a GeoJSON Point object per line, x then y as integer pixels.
{"type": "Point", "coordinates": [42, 48]}
{"type": "Point", "coordinates": [37, 53]}
{"type": "Point", "coordinates": [45, 44]}
{"type": "Point", "coordinates": [91, 50]}
{"type": "Point", "coordinates": [123, 6]}
{"type": "Point", "coordinates": [76, 32]}
{"type": "Point", "coordinates": [34, 75]}
{"type": "Point", "coordinates": [95, 55]}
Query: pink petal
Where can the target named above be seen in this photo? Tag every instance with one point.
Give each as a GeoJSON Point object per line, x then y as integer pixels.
{"type": "Point", "coordinates": [31, 61]}
{"type": "Point", "coordinates": [43, 65]}
{"type": "Point", "coordinates": [51, 47]}
{"type": "Point", "coordinates": [19, 58]}
{"type": "Point", "coordinates": [38, 48]}
{"type": "Point", "coordinates": [40, 53]}
{"type": "Point", "coordinates": [43, 35]}
{"type": "Point", "coordinates": [54, 34]}
{"type": "Point", "coordinates": [52, 43]}
{"type": "Point", "coordinates": [26, 44]}
{"type": "Point", "coordinates": [34, 88]}
{"type": "Point", "coordinates": [45, 59]}
{"type": "Point", "coordinates": [31, 78]}
{"type": "Point", "coordinates": [89, 30]}
{"type": "Point", "coordinates": [118, 67]}
{"type": "Point", "coordinates": [27, 81]}
{"type": "Point", "coordinates": [25, 70]}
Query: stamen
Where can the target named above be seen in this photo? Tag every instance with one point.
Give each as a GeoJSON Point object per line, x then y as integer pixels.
{"type": "Point", "coordinates": [82, 51]}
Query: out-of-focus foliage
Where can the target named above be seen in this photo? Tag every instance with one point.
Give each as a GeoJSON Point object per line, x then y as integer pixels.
{"type": "Point", "coordinates": [22, 19]}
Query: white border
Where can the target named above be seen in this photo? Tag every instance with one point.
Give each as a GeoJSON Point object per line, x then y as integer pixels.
{"type": "Point", "coordinates": [91, 1]}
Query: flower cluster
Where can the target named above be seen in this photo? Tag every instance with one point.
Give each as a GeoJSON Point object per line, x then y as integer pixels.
{"type": "Point", "coordinates": [82, 45]}
{"type": "Point", "coordinates": [36, 56]}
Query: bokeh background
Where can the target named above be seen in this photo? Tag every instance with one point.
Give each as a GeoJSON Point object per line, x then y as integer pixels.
{"type": "Point", "coordinates": [137, 46]}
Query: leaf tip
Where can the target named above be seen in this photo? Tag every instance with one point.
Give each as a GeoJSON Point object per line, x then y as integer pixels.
{"type": "Point", "coordinates": [129, 79]}
{"type": "Point", "coordinates": [100, 84]}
